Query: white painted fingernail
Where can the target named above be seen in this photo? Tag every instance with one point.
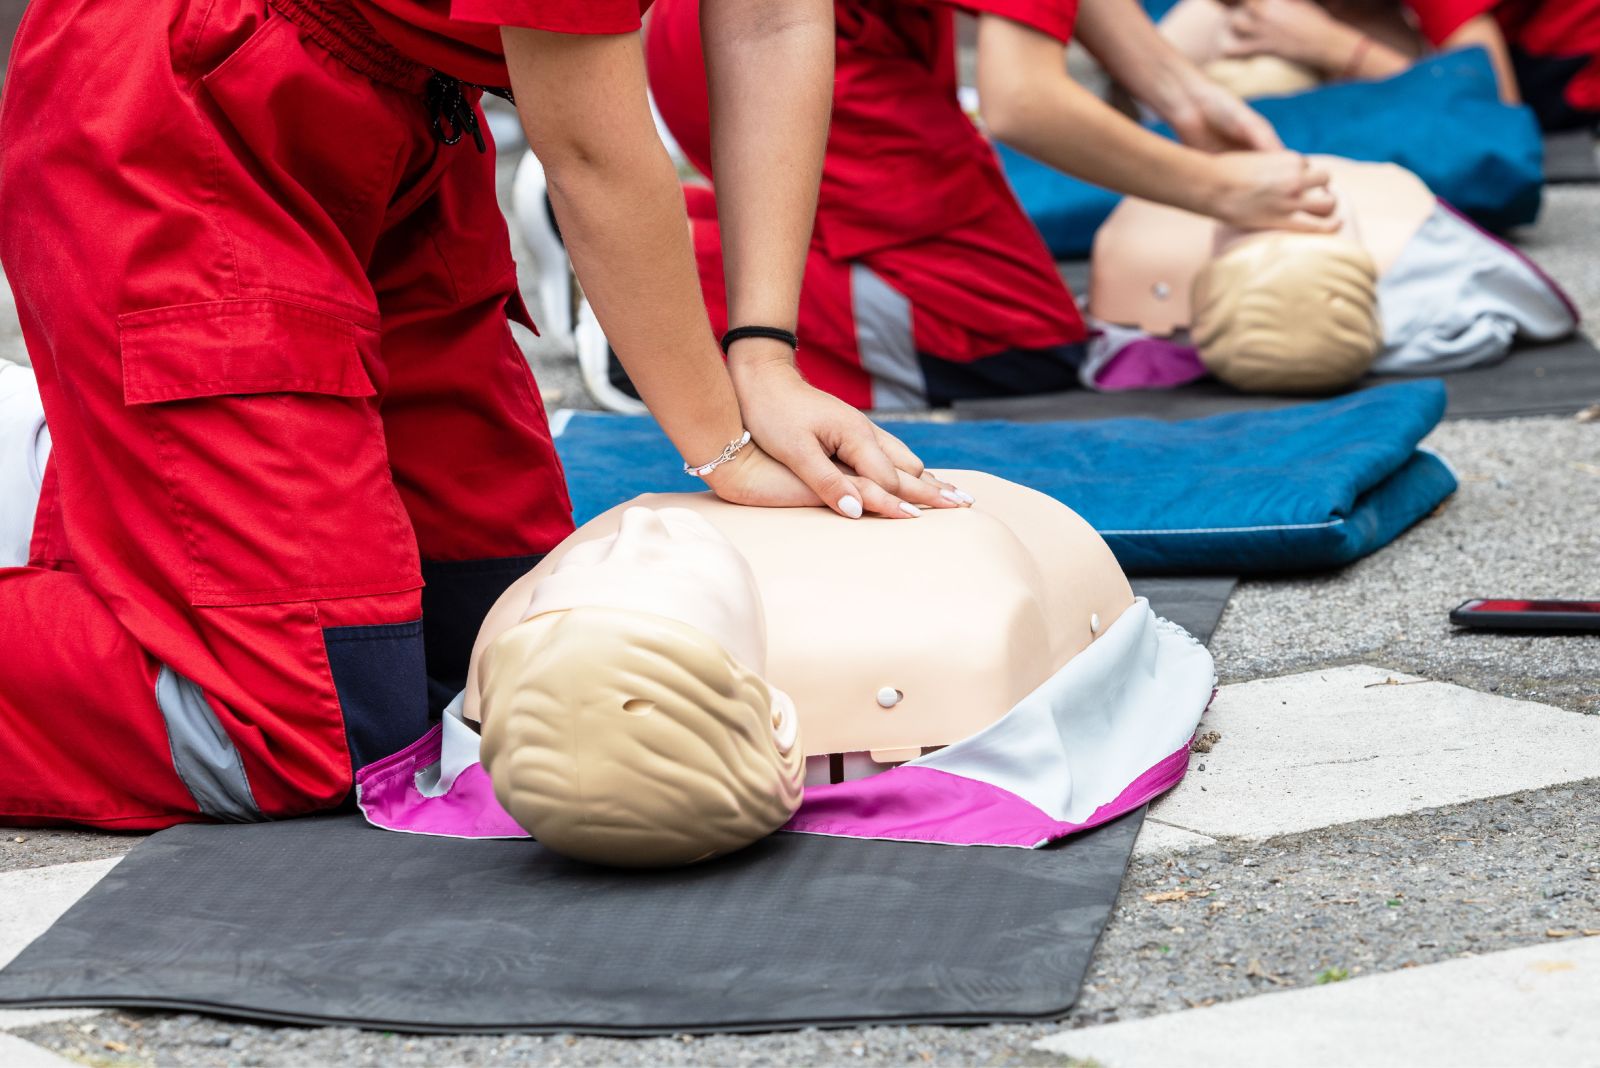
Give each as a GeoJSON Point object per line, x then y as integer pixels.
{"type": "Point", "coordinates": [966, 498]}
{"type": "Point", "coordinates": [951, 495]}
{"type": "Point", "coordinates": [910, 509]}
{"type": "Point", "coordinates": [850, 506]}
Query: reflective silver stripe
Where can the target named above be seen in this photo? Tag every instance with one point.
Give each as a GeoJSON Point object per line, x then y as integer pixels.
{"type": "Point", "coordinates": [883, 339]}
{"type": "Point", "coordinates": [202, 753]}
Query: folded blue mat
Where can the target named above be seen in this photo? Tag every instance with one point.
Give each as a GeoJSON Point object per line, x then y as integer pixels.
{"type": "Point", "coordinates": [1442, 119]}
{"type": "Point", "coordinates": [1294, 489]}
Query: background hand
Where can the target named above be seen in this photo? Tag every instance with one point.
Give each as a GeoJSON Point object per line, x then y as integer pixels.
{"type": "Point", "coordinates": [1213, 119]}
{"type": "Point", "coordinates": [1273, 191]}
{"type": "Point", "coordinates": [1298, 30]}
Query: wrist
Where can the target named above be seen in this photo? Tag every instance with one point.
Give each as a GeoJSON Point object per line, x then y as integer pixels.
{"type": "Point", "coordinates": [1336, 47]}
{"type": "Point", "coordinates": [756, 357]}
{"type": "Point", "coordinates": [1214, 185]}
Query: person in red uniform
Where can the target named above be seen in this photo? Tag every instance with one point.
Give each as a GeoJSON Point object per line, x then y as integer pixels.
{"type": "Point", "coordinates": [1546, 52]}
{"type": "Point", "coordinates": [926, 282]}
{"type": "Point", "coordinates": [264, 284]}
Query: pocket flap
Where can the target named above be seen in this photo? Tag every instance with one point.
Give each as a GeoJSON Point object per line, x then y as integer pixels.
{"type": "Point", "coordinates": [241, 346]}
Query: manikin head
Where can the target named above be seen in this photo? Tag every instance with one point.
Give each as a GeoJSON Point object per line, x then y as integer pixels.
{"type": "Point", "coordinates": [625, 719]}
{"type": "Point", "coordinates": [1283, 312]}
{"type": "Point", "coordinates": [1249, 77]}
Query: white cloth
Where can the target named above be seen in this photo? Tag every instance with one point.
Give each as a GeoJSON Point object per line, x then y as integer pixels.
{"type": "Point", "coordinates": [24, 448]}
{"type": "Point", "coordinates": [1116, 710]}
{"type": "Point", "coordinates": [1457, 298]}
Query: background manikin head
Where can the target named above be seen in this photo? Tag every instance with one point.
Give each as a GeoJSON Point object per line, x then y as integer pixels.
{"type": "Point", "coordinates": [625, 719]}
{"type": "Point", "coordinates": [1287, 312]}
{"type": "Point", "coordinates": [1249, 77]}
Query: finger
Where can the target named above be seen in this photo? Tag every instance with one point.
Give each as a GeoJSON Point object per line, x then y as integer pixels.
{"type": "Point", "coordinates": [948, 490]}
{"type": "Point", "coordinates": [899, 454]}
{"type": "Point", "coordinates": [830, 484]}
{"type": "Point", "coordinates": [1311, 224]}
{"type": "Point", "coordinates": [1258, 132]}
{"type": "Point", "coordinates": [927, 494]}
{"type": "Point", "coordinates": [1313, 175]}
{"type": "Point", "coordinates": [1318, 202]}
{"type": "Point", "coordinates": [862, 454]}
{"type": "Point", "coordinates": [881, 502]}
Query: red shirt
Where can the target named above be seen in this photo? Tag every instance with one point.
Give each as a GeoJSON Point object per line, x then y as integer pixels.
{"type": "Point", "coordinates": [909, 185]}
{"type": "Point", "coordinates": [462, 37]}
{"type": "Point", "coordinates": [1554, 29]}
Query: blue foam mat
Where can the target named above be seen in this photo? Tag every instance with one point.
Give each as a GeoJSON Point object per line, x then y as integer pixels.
{"type": "Point", "coordinates": [1303, 488]}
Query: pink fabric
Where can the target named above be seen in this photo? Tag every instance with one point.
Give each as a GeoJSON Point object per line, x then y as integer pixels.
{"type": "Point", "coordinates": [1152, 363]}
{"type": "Point", "coordinates": [908, 804]}
{"type": "Point", "coordinates": [918, 804]}
{"type": "Point", "coordinates": [388, 796]}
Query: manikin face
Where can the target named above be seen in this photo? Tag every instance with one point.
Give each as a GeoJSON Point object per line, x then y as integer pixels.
{"type": "Point", "coordinates": [671, 562]}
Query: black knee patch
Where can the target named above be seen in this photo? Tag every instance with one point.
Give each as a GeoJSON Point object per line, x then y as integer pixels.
{"type": "Point", "coordinates": [382, 684]}
{"type": "Point", "coordinates": [458, 594]}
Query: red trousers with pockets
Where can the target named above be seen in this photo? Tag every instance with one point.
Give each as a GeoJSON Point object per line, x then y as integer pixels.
{"type": "Point", "coordinates": [269, 317]}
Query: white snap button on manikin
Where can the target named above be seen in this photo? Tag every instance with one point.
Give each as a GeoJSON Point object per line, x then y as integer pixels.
{"type": "Point", "coordinates": [888, 697]}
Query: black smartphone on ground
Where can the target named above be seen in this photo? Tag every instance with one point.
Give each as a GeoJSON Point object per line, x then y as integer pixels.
{"type": "Point", "coordinates": [1510, 614]}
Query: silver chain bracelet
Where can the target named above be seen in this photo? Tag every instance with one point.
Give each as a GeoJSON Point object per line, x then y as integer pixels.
{"type": "Point", "coordinates": [727, 454]}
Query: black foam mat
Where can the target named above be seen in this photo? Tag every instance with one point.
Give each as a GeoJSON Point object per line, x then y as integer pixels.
{"type": "Point", "coordinates": [329, 921]}
{"type": "Point", "coordinates": [1571, 156]}
{"type": "Point", "coordinates": [1555, 379]}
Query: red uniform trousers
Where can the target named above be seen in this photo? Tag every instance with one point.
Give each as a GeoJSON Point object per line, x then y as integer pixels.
{"type": "Point", "coordinates": [926, 282]}
{"type": "Point", "coordinates": [268, 314]}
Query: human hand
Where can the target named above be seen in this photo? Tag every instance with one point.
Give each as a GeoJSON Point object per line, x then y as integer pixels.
{"type": "Point", "coordinates": [1272, 191]}
{"type": "Point", "coordinates": [811, 447]}
{"type": "Point", "coordinates": [1298, 30]}
{"type": "Point", "coordinates": [1209, 117]}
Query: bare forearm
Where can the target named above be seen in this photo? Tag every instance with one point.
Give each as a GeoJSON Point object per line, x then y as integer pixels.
{"type": "Point", "coordinates": [769, 66]}
{"type": "Point", "coordinates": [1038, 109]}
{"type": "Point", "coordinates": [621, 211]}
{"type": "Point", "coordinates": [1484, 32]}
{"type": "Point", "coordinates": [1133, 52]}
{"type": "Point", "coordinates": [1344, 52]}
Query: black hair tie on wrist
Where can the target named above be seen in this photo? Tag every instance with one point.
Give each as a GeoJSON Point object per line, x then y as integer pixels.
{"type": "Point", "coordinates": [739, 333]}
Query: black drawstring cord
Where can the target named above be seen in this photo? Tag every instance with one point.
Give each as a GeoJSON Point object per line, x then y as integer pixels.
{"type": "Point", "coordinates": [449, 107]}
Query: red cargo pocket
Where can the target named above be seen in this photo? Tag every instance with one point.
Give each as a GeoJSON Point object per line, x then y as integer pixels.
{"type": "Point", "coordinates": [269, 440]}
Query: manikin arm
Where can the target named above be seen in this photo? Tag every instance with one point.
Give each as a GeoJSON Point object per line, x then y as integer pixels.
{"type": "Point", "coordinates": [621, 210]}
{"type": "Point", "coordinates": [1030, 102]}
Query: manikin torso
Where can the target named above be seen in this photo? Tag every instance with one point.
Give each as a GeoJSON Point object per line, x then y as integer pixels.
{"type": "Point", "coordinates": [1147, 255]}
{"type": "Point", "coordinates": [889, 637]}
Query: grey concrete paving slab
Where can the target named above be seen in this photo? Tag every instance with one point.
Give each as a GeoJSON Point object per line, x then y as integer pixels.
{"type": "Point", "coordinates": [1341, 745]}
{"type": "Point", "coordinates": [17, 1053]}
{"type": "Point", "coordinates": [1157, 839]}
{"type": "Point", "coordinates": [36, 897]}
{"type": "Point", "coordinates": [1525, 1007]}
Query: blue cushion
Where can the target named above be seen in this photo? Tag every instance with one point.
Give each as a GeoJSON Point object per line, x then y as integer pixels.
{"type": "Point", "coordinates": [1294, 489]}
{"type": "Point", "coordinates": [1442, 119]}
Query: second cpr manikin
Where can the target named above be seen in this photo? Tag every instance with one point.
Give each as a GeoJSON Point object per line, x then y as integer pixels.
{"type": "Point", "coordinates": [1406, 286]}
{"type": "Point", "coordinates": [978, 676]}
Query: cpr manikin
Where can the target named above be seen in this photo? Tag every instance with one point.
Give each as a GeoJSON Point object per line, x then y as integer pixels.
{"type": "Point", "coordinates": [647, 693]}
{"type": "Point", "coordinates": [1405, 286]}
